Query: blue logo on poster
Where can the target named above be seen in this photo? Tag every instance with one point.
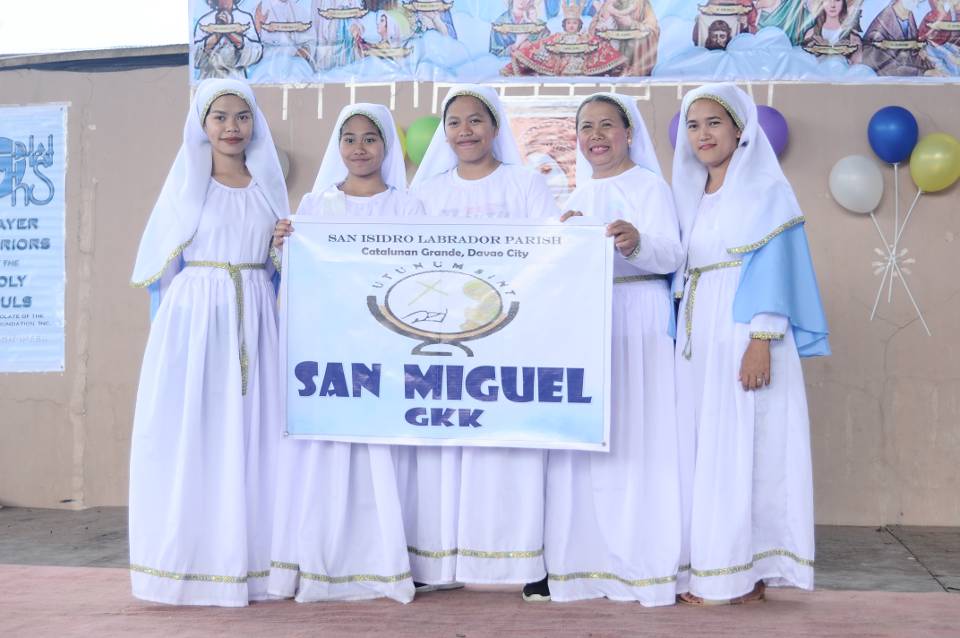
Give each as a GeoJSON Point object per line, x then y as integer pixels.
{"type": "Point", "coordinates": [15, 157]}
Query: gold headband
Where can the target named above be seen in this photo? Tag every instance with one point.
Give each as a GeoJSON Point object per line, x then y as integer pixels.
{"type": "Point", "coordinates": [219, 94]}
{"type": "Point", "coordinates": [614, 99]}
{"type": "Point", "coordinates": [483, 99]}
{"type": "Point", "coordinates": [370, 116]}
{"type": "Point", "coordinates": [722, 102]}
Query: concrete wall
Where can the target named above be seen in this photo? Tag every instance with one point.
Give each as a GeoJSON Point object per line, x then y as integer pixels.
{"type": "Point", "coordinates": [885, 408]}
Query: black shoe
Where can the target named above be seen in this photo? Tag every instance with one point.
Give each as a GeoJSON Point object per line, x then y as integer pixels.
{"type": "Point", "coordinates": [538, 592]}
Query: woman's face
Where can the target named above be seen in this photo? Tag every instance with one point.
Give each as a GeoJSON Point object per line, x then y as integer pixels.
{"type": "Point", "coordinates": [711, 132]}
{"type": "Point", "coordinates": [229, 125]}
{"type": "Point", "coordinates": [833, 8]}
{"type": "Point", "coordinates": [602, 137]}
{"type": "Point", "coordinates": [361, 146]}
{"type": "Point", "coordinates": [469, 129]}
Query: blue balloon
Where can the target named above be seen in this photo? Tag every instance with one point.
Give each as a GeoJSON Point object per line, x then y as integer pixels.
{"type": "Point", "coordinates": [893, 133]}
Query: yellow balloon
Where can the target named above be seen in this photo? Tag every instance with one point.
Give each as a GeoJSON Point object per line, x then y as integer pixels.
{"type": "Point", "coordinates": [403, 141]}
{"type": "Point", "coordinates": [935, 162]}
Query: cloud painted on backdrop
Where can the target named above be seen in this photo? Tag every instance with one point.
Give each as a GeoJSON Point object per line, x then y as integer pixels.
{"type": "Point", "coordinates": [473, 32]}
{"type": "Point", "coordinates": [748, 57]}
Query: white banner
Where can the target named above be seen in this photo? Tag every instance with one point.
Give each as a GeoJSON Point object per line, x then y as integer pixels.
{"type": "Point", "coordinates": [33, 158]}
{"type": "Point", "coordinates": [463, 332]}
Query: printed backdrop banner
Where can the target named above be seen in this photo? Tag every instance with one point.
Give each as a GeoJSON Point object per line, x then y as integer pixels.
{"type": "Point", "coordinates": [454, 333]}
{"type": "Point", "coordinates": [313, 41]}
{"type": "Point", "coordinates": [546, 133]}
{"type": "Point", "coordinates": [33, 158]}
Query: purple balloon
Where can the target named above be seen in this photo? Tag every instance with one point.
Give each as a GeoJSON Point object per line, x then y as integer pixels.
{"type": "Point", "coordinates": [775, 126]}
{"type": "Point", "coordinates": [672, 130]}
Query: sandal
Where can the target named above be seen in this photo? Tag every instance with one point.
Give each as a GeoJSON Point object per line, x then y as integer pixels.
{"type": "Point", "coordinates": [757, 595]}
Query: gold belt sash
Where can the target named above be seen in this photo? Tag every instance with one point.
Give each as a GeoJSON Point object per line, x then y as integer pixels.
{"type": "Point", "coordinates": [631, 278]}
{"type": "Point", "coordinates": [234, 271]}
{"type": "Point", "coordinates": [693, 275]}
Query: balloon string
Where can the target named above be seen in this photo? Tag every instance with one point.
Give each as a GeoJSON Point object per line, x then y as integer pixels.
{"type": "Point", "coordinates": [876, 302]}
{"type": "Point", "coordinates": [912, 300]}
{"type": "Point", "coordinates": [893, 266]}
{"type": "Point", "coordinates": [883, 237]}
{"type": "Point", "coordinates": [896, 241]}
{"type": "Point", "coordinates": [896, 222]}
{"type": "Point", "coordinates": [886, 270]}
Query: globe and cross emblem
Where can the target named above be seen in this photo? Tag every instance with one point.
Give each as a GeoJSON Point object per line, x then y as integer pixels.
{"type": "Point", "coordinates": [443, 308]}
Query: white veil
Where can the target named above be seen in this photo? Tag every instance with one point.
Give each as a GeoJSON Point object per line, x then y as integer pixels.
{"type": "Point", "coordinates": [440, 158]}
{"type": "Point", "coordinates": [176, 214]}
{"type": "Point", "coordinates": [332, 168]}
{"type": "Point", "coordinates": [641, 146]}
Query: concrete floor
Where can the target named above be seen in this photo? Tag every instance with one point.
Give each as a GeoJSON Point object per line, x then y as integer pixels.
{"type": "Point", "coordinates": [62, 574]}
{"type": "Point", "coordinates": [891, 558]}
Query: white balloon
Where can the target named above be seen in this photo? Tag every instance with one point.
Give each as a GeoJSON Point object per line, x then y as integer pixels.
{"type": "Point", "coordinates": [857, 184]}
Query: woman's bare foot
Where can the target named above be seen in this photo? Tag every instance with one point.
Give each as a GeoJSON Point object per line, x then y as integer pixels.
{"type": "Point", "coordinates": [755, 596]}
{"type": "Point", "coordinates": [689, 599]}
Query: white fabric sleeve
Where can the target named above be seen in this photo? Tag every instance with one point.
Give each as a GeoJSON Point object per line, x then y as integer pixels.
{"type": "Point", "coordinates": [308, 206]}
{"type": "Point", "coordinates": [540, 203]}
{"type": "Point", "coordinates": [768, 326]}
{"type": "Point", "coordinates": [655, 218]}
{"type": "Point", "coordinates": [412, 207]}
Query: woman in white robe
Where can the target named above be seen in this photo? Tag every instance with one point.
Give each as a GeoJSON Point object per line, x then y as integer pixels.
{"type": "Point", "coordinates": [613, 519]}
{"type": "Point", "coordinates": [475, 515]}
{"type": "Point", "coordinates": [204, 438]}
{"type": "Point", "coordinates": [338, 530]}
{"type": "Point", "coordinates": [750, 309]}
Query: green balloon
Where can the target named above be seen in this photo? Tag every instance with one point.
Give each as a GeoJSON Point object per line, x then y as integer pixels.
{"type": "Point", "coordinates": [419, 134]}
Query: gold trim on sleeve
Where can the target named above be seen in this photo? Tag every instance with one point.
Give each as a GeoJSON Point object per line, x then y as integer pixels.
{"type": "Point", "coordinates": [766, 336]}
{"type": "Point", "coordinates": [176, 253]}
{"type": "Point", "coordinates": [275, 258]}
{"type": "Point", "coordinates": [749, 248]}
